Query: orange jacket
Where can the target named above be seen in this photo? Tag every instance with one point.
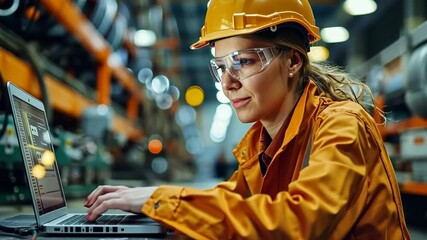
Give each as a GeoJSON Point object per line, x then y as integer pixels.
{"type": "Point", "coordinates": [347, 191]}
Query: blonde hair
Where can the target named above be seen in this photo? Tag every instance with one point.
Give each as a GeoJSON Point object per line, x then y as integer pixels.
{"type": "Point", "coordinates": [332, 81]}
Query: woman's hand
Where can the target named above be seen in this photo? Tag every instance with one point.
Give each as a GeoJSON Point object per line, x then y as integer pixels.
{"type": "Point", "coordinates": [124, 198]}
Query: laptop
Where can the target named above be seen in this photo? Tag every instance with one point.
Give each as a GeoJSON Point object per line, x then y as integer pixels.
{"type": "Point", "coordinates": [44, 180]}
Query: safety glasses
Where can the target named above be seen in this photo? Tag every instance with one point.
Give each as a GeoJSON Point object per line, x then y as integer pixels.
{"type": "Point", "coordinates": [242, 64]}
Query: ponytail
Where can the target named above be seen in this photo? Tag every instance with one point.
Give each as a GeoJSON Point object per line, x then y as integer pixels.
{"type": "Point", "coordinates": [335, 83]}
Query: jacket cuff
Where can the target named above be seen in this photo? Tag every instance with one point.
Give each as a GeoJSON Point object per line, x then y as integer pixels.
{"type": "Point", "coordinates": [163, 203]}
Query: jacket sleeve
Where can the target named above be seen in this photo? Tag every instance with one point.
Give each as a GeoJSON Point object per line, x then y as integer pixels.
{"type": "Point", "coordinates": [310, 209]}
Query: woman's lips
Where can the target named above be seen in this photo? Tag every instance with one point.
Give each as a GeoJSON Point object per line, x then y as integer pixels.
{"type": "Point", "coordinates": [239, 102]}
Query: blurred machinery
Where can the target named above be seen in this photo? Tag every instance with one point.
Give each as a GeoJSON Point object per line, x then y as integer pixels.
{"type": "Point", "coordinates": [413, 148]}
{"type": "Point", "coordinates": [79, 58]}
{"type": "Point", "coordinates": [13, 183]}
{"type": "Point", "coordinates": [398, 79]}
{"type": "Point", "coordinates": [413, 141]}
{"type": "Point", "coordinates": [416, 84]}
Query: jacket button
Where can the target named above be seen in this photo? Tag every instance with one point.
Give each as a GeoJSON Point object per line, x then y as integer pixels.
{"type": "Point", "coordinates": [243, 153]}
{"type": "Point", "coordinates": [157, 205]}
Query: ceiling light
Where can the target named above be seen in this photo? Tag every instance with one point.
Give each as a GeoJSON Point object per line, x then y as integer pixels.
{"type": "Point", "coordinates": [359, 7]}
{"type": "Point", "coordinates": [334, 34]}
{"type": "Point", "coordinates": [318, 54]}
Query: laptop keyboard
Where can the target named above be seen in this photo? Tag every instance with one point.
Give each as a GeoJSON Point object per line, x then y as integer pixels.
{"type": "Point", "coordinates": [104, 220]}
{"type": "Point", "coordinates": [110, 219]}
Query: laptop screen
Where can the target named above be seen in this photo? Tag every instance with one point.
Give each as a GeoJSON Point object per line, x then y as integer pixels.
{"type": "Point", "coordinates": [38, 156]}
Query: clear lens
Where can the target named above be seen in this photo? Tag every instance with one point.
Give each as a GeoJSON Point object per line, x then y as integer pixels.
{"type": "Point", "coordinates": [241, 64]}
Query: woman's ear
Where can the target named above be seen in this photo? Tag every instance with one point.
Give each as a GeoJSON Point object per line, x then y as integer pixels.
{"type": "Point", "coordinates": [296, 61]}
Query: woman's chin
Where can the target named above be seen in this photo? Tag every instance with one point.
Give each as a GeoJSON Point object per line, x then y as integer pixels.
{"type": "Point", "coordinates": [245, 119]}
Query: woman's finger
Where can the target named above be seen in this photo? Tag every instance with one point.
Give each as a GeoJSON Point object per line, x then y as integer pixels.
{"type": "Point", "coordinates": [102, 198]}
{"type": "Point", "coordinates": [99, 191]}
{"type": "Point", "coordinates": [101, 208]}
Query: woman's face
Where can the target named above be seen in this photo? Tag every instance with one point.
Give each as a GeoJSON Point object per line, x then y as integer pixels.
{"type": "Point", "coordinates": [266, 96]}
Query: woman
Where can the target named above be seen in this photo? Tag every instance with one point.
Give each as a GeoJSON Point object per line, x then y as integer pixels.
{"type": "Point", "coordinates": [313, 165]}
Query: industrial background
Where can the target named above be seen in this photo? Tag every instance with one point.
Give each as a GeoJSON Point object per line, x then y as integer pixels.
{"type": "Point", "coordinates": [129, 102]}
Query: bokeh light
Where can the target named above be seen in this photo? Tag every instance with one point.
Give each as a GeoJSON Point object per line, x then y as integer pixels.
{"type": "Point", "coordinates": [194, 96]}
{"type": "Point", "coordinates": [155, 146]}
{"type": "Point", "coordinates": [318, 53]}
{"type": "Point", "coordinates": [145, 75]}
{"type": "Point", "coordinates": [185, 115]}
{"type": "Point", "coordinates": [159, 165]}
{"type": "Point", "coordinates": [38, 171]}
{"type": "Point", "coordinates": [160, 84]}
{"type": "Point", "coordinates": [48, 158]}
{"type": "Point", "coordinates": [164, 101]}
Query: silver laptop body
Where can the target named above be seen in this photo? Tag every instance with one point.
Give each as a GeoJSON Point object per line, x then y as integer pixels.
{"type": "Point", "coordinates": [47, 193]}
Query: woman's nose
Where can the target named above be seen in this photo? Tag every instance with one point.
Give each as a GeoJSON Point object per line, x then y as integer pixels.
{"type": "Point", "coordinates": [228, 81]}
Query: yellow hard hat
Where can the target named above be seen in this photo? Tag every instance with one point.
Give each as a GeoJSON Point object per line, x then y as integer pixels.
{"type": "Point", "coordinates": [227, 18]}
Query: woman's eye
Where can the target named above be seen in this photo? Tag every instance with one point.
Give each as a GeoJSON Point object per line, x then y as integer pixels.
{"type": "Point", "coordinates": [246, 61]}
{"type": "Point", "coordinates": [222, 68]}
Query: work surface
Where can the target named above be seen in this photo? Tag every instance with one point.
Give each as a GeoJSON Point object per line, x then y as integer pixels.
{"type": "Point", "coordinates": [41, 237]}
{"type": "Point", "coordinates": [77, 205]}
